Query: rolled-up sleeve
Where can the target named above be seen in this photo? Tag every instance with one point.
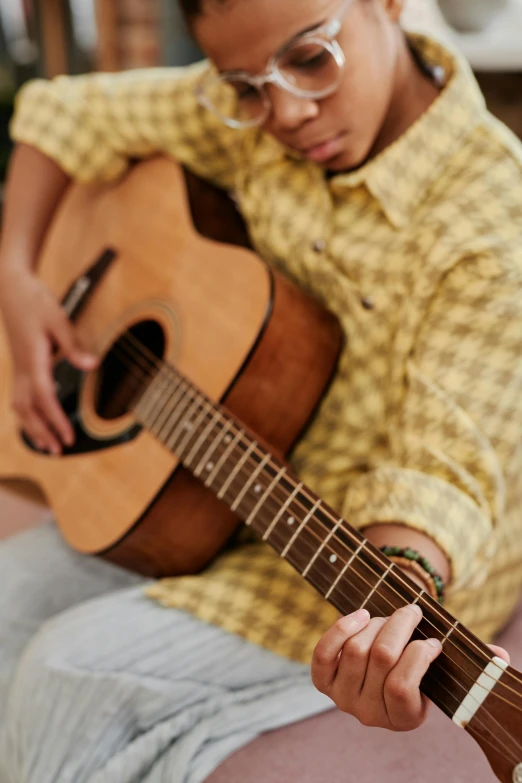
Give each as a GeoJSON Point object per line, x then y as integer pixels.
{"type": "Point", "coordinates": [93, 125]}
{"type": "Point", "coordinates": [456, 435]}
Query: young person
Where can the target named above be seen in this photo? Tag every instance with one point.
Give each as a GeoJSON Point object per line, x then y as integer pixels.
{"type": "Point", "coordinates": [368, 169]}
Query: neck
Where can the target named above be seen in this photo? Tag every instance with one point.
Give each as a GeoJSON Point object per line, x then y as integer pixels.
{"type": "Point", "coordinates": [413, 93]}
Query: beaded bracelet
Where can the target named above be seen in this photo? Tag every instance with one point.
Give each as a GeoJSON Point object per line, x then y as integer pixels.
{"type": "Point", "coordinates": [409, 558]}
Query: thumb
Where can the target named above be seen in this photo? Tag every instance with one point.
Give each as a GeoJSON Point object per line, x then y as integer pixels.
{"type": "Point", "coordinates": [500, 652]}
{"type": "Point", "coordinates": [67, 341]}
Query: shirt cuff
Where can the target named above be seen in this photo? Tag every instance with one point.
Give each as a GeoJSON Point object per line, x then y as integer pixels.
{"type": "Point", "coordinates": [431, 506]}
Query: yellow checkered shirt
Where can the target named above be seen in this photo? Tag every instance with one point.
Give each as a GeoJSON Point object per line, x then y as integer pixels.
{"type": "Point", "coordinates": [419, 253]}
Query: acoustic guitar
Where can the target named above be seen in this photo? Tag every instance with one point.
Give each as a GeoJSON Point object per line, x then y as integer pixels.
{"type": "Point", "coordinates": [211, 365]}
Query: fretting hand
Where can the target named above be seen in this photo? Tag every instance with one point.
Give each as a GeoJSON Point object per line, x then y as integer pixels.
{"type": "Point", "coordinates": [371, 669]}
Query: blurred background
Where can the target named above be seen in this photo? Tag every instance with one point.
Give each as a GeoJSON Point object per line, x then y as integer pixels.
{"type": "Point", "coordinates": [49, 37]}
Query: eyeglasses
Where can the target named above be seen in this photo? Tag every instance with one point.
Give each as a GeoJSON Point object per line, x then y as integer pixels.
{"type": "Point", "coordinates": [311, 66]}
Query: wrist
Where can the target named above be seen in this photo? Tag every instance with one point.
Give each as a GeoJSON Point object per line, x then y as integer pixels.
{"type": "Point", "coordinates": [415, 565]}
{"type": "Point", "coordinates": [14, 281]}
{"type": "Point", "coordinates": [394, 534]}
{"type": "Point", "coordinates": [12, 271]}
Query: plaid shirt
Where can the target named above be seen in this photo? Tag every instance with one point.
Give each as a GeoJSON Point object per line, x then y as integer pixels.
{"type": "Point", "coordinates": [419, 253]}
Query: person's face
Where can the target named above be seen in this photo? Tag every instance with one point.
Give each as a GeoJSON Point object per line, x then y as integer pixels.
{"type": "Point", "coordinates": [338, 131]}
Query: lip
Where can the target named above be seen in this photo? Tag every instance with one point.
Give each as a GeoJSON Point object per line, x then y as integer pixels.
{"type": "Point", "coordinates": [324, 150]}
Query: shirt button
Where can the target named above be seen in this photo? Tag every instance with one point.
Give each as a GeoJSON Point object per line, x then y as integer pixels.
{"type": "Point", "coordinates": [367, 302]}
{"type": "Point", "coordinates": [319, 245]}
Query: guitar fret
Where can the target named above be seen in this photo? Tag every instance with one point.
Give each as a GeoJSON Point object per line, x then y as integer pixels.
{"type": "Point", "coordinates": [181, 416]}
{"type": "Point", "coordinates": [164, 403]}
{"type": "Point", "coordinates": [175, 420]}
{"type": "Point", "coordinates": [199, 442]}
{"type": "Point", "coordinates": [282, 510]}
{"type": "Point", "coordinates": [301, 526]}
{"type": "Point", "coordinates": [265, 495]}
{"type": "Point", "coordinates": [213, 446]}
{"type": "Point", "coordinates": [149, 399]}
{"type": "Point", "coordinates": [155, 405]}
{"type": "Point", "coordinates": [376, 586]}
{"type": "Point", "coordinates": [332, 533]}
{"type": "Point", "coordinates": [345, 569]}
{"type": "Point", "coordinates": [447, 636]}
{"type": "Point", "coordinates": [224, 458]}
{"type": "Point", "coordinates": [252, 478]}
{"type": "Point", "coordinates": [236, 470]}
{"type": "Point", "coordinates": [165, 411]}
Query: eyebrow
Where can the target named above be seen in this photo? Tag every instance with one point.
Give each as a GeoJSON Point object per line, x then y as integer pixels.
{"type": "Point", "coordinates": [291, 40]}
{"type": "Point", "coordinates": [303, 32]}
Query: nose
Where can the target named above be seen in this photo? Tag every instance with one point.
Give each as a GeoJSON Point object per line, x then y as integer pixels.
{"type": "Point", "coordinates": [289, 111]}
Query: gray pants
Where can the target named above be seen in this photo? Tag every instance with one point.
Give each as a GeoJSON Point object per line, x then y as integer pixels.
{"type": "Point", "coordinates": [98, 684]}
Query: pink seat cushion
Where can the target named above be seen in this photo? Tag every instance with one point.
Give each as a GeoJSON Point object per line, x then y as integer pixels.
{"type": "Point", "coordinates": [335, 748]}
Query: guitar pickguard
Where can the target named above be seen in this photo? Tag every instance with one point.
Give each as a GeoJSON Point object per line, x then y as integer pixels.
{"type": "Point", "coordinates": [69, 381]}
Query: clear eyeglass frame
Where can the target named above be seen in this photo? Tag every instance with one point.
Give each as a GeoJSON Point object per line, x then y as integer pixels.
{"type": "Point", "coordinates": [325, 35]}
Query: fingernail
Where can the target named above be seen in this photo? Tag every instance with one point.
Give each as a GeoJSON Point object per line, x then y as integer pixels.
{"type": "Point", "coordinates": [434, 643]}
{"type": "Point", "coordinates": [361, 615]}
{"type": "Point", "coordinates": [416, 608]}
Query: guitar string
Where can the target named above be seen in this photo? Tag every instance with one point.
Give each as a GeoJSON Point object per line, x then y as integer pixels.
{"type": "Point", "coordinates": [165, 367]}
{"type": "Point", "coordinates": [459, 684]}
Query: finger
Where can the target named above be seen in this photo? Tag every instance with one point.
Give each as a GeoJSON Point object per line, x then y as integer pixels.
{"type": "Point", "coordinates": [325, 659]}
{"type": "Point", "coordinates": [406, 706]}
{"type": "Point", "coordinates": [63, 334]}
{"type": "Point", "coordinates": [48, 407]}
{"type": "Point", "coordinates": [46, 400]}
{"type": "Point", "coordinates": [387, 650]}
{"type": "Point", "coordinates": [500, 652]}
{"type": "Point", "coordinates": [352, 667]}
{"type": "Point", "coordinates": [30, 421]}
{"type": "Point", "coordinates": [42, 435]}
{"type": "Point", "coordinates": [37, 429]}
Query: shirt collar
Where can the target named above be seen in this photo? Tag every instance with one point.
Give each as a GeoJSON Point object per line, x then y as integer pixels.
{"type": "Point", "coordinates": [400, 176]}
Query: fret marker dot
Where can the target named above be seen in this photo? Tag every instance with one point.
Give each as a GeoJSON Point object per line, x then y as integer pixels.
{"type": "Point", "coordinates": [333, 558]}
{"type": "Point", "coordinates": [291, 521]}
{"type": "Point", "coordinates": [187, 425]}
{"type": "Point", "coordinates": [209, 465]}
{"type": "Point", "coordinates": [227, 439]}
{"type": "Point", "coordinates": [258, 488]}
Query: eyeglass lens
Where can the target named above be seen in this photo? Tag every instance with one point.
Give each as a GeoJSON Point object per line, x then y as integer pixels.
{"type": "Point", "coordinates": [307, 68]}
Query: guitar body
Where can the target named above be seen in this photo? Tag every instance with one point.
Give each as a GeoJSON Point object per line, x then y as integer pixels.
{"type": "Point", "coordinates": [242, 334]}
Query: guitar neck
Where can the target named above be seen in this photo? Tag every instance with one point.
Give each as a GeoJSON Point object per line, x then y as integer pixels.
{"type": "Point", "coordinates": [331, 555]}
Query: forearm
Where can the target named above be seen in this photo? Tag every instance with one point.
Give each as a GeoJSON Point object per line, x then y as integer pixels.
{"type": "Point", "coordinates": [400, 535]}
{"type": "Point", "coordinates": [35, 186]}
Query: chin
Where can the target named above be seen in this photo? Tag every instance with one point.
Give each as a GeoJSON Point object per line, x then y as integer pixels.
{"type": "Point", "coordinates": [348, 159]}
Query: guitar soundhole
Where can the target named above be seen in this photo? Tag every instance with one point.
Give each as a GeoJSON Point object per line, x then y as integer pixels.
{"type": "Point", "coordinates": [128, 368]}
